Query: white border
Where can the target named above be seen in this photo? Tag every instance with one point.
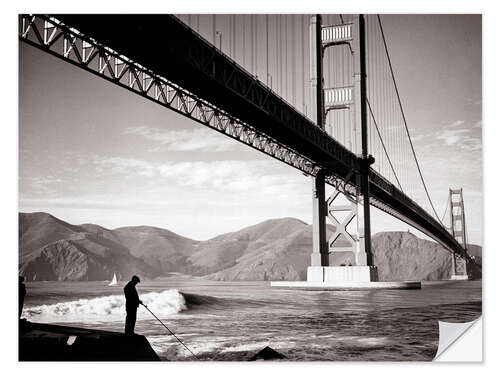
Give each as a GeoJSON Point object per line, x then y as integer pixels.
{"type": "Point", "coordinates": [9, 157]}
{"type": "Point", "coordinates": [468, 347]}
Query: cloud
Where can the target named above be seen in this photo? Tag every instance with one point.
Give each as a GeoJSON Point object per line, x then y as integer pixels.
{"type": "Point", "coordinates": [418, 137]}
{"type": "Point", "coordinates": [451, 133]}
{"type": "Point", "coordinates": [471, 144]}
{"type": "Point", "coordinates": [182, 140]}
{"type": "Point", "coordinates": [455, 124]}
{"type": "Point", "coordinates": [76, 202]}
{"type": "Point", "coordinates": [129, 166]}
{"type": "Point", "coordinates": [41, 184]}
{"type": "Point", "coordinates": [467, 139]}
{"type": "Point", "coordinates": [223, 175]}
{"type": "Point", "coordinates": [452, 136]}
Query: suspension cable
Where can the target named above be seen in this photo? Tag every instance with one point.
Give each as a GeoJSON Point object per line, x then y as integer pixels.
{"type": "Point", "coordinates": [382, 141]}
{"type": "Point", "coordinates": [445, 209]}
{"type": "Point", "coordinates": [404, 119]}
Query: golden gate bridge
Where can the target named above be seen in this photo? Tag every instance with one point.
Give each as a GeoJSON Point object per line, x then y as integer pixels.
{"type": "Point", "coordinates": [317, 92]}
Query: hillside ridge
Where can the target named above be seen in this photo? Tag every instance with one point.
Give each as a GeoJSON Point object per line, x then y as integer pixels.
{"type": "Point", "coordinates": [275, 249]}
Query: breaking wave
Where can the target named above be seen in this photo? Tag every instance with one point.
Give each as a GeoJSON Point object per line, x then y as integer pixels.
{"type": "Point", "coordinates": [107, 308]}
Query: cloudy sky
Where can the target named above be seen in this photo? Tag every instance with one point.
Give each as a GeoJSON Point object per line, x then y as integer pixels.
{"type": "Point", "coordinates": [93, 152]}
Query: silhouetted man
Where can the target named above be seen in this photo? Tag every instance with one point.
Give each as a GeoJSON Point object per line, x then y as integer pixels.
{"type": "Point", "coordinates": [22, 294]}
{"type": "Point", "coordinates": [132, 302]}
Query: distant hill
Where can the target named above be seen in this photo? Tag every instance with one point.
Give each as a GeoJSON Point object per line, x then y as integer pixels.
{"type": "Point", "coordinates": [51, 249]}
{"type": "Point", "coordinates": [284, 258]}
{"type": "Point", "coordinates": [404, 256]}
{"type": "Point", "coordinates": [224, 251]}
{"type": "Point", "coordinates": [82, 257]}
{"type": "Point", "coordinates": [398, 256]}
{"type": "Point", "coordinates": [277, 249]}
{"type": "Point", "coordinates": [163, 250]}
{"type": "Point", "coordinates": [39, 228]}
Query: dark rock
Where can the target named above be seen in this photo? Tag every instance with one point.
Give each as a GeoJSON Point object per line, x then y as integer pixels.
{"type": "Point", "coordinates": [266, 354]}
{"type": "Point", "coordinates": [47, 342]}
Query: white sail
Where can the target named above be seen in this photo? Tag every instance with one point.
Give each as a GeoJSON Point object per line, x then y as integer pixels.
{"type": "Point", "coordinates": [113, 282]}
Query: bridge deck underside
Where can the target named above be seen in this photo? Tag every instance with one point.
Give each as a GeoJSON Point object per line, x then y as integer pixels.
{"type": "Point", "coordinates": [168, 48]}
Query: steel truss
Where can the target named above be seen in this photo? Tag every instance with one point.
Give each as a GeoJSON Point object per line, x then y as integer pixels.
{"type": "Point", "coordinates": [50, 35]}
{"type": "Point", "coordinates": [67, 43]}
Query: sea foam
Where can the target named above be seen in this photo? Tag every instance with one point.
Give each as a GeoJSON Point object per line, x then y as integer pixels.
{"type": "Point", "coordinates": [107, 308]}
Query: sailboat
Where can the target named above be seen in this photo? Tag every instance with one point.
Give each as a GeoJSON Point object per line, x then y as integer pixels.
{"type": "Point", "coordinates": [113, 282]}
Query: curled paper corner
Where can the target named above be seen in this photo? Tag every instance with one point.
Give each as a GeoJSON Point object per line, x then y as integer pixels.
{"type": "Point", "coordinates": [449, 333]}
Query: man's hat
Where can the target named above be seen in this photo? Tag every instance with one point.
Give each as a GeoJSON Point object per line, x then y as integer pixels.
{"type": "Point", "coordinates": [136, 279]}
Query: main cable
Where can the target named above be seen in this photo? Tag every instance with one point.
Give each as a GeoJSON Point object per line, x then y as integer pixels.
{"type": "Point", "coordinates": [383, 145]}
{"type": "Point", "coordinates": [446, 208]}
{"type": "Point", "coordinates": [404, 120]}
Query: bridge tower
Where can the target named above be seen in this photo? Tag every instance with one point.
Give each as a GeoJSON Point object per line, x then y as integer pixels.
{"type": "Point", "coordinates": [346, 255]}
{"type": "Point", "coordinates": [457, 229]}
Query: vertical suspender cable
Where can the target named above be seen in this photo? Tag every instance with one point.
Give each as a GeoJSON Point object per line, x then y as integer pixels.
{"type": "Point", "coordinates": [280, 48]}
{"type": "Point", "coordinates": [234, 37]}
{"type": "Point", "coordinates": [277, 48]}
{"type": "Point", "coordinates": [404, 118]}
{"type": "Point", "coordinates": [286, 96]}
{"type": "Point", "coordinates": [243, 52]}
{"type": "Point", "coordinates": [294, 76]}
{"type": "Point", "coordinates": [214, 21]}
{"type": "Point", "coordinates": [256, 43]}
{"type": "Point", "coordinates": [303, 63]}
{"type": "Point", "coordinates": [252, 43]}
{"type": "Point", "coordinates": [383, 146]}
{"type": "Point", "coordinates": [446, 208]}
{"type": "Point", "coordinates": [230, 36]}
{"type": "Point", "coordinates": [267, 49]}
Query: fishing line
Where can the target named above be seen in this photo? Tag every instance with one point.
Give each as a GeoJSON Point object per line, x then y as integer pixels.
{"type": "Point", "coordinates": [173, 334]}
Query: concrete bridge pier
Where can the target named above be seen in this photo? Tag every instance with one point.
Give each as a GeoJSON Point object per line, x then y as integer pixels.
{"type": "Point", "coordinates": [343, 256]}
{"type": "Point", "coordinates": [458, 268]}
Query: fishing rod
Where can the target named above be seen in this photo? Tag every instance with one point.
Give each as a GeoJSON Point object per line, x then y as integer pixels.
{"type": "Point", "coordinates": [168, 329]}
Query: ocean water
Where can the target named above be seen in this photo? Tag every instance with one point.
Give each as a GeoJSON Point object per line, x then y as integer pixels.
{"type": "Point", "coordinates": [225, 321]}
